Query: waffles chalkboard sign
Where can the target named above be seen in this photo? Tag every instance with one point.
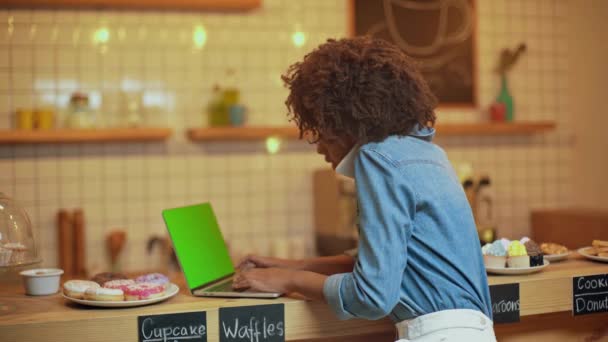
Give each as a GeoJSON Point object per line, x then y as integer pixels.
{"type": "Point", "coordinates": [259, 323]}
{"type": "Point", "coordinates": [186, 326]}
{"type": "Point", "coordinates": [590, 294]}
{"type": "Point", "coordinates": [505, 303]}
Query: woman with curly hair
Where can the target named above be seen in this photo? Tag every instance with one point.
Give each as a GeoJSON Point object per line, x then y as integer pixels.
{"type": "Point", "coordinates": [371, 114]}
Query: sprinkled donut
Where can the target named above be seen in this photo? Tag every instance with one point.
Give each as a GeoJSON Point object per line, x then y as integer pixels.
{"type": "Point", "coordinates": [118, 284]}
{"type": "Point", "coordinates": [154, 278]}
{"type": "Point", "coordinates": [141, 291]}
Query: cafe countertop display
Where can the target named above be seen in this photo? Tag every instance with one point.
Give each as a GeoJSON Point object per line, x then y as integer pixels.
{"type": "Point", "coordinates": [25, 318]}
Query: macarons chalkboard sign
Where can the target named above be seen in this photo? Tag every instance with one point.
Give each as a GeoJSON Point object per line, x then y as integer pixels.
{"type": "Point", "coordinates": [259, 323]}
{"type": "Point", "coordinates": [590, 294]}
{"type": "Point", "coordinates": [185, 326]}
{"type": "Point", "coordinates": [505, 303]}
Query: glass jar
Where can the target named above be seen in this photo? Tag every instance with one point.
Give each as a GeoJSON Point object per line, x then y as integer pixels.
{"type": "Point", "coordinates": [17, 244]}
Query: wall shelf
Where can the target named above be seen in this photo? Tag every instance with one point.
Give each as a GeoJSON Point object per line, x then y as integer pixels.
{"type": "Point", "coordinates": [465, 129]}
{"type": "Point", "coordinates": [210, 5]}
{"type": "Point", "coordinates": [84, 135]}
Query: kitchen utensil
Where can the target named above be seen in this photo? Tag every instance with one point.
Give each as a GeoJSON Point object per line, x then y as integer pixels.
{"type": "Point", "coordinates": [65, 239]}
{"type": "Point", "coordinates": [79, 244]}
{"type": "Point", "coordinates": [115, 243]}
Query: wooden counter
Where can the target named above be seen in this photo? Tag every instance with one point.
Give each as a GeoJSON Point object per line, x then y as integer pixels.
{"type": "Point", "coordinates": [24, 318]}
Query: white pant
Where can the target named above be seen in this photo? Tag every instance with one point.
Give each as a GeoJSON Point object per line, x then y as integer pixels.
{"type": "Point", "coordinates": [449, 325]}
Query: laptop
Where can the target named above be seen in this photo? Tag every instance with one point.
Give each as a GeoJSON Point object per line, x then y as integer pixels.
{"type": "Point", "coordinates": [202, 252]}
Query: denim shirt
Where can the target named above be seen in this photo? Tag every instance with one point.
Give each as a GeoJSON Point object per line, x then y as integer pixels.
{"type": "Point", "coordinates": [418, 247]}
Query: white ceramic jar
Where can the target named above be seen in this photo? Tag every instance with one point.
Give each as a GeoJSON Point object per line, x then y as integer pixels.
{"type": "Point", "coordinates": [41, 281]}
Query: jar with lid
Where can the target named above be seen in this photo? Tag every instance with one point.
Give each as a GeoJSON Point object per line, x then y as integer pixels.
{"type": "Point", "coordinates": [80, 114]}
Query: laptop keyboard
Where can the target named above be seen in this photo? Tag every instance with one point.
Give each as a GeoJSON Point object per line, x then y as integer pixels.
{"type": "Point", "coordinates": [222, 287]}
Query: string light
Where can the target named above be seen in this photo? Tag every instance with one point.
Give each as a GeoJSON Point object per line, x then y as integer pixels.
{"type": "Point", "coordinates": [199, 37]}
{"type": "Point", "coordinates": [101, 35]}
{"type": "Point", "coordinates": [273, 145]}
{"type": "Point", "coordinates": [298, 38]}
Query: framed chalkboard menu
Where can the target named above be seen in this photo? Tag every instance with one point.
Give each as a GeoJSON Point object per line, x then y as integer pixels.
{"type": "Point", "coordinates": [439, 34]}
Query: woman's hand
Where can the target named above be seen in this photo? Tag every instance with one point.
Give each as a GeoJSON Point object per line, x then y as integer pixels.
{"type": "Point", "coordinates": [264, 280]}
{"type": "Point", "coordinates": [252, 261]}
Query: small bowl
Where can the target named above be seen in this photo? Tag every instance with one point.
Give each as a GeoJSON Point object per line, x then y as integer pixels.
{"type": "Point", "coordinates": [41, 281]}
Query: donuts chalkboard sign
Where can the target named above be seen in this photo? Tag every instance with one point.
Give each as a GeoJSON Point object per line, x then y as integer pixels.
{"type": "Point", "coordinates": [259, 323]}
{"type": "Point", "coordinates": [505, 303]}
{"type": "Point", "coordinates": [590, 294]}
{"type": "Point", "coordinates": [185, 326]}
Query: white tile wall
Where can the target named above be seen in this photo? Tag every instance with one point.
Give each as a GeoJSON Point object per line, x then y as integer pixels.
{"type": "Point", "coordinates": [262, 201]}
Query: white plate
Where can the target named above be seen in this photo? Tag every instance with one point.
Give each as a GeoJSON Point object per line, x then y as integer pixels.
{"type": "Point", "coordinates": [513, 271]}
{"type": "Point", "coordinates": [170, 292]}
{"type": "Point", "coordinates": [592, 257]}
{"type": "Point", "coordinates": [557, 257]}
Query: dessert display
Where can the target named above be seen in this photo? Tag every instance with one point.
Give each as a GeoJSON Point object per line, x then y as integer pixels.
{"type": "Point", "coordinates": [516, 254]}
{"type": "Point", "coordinates": [550, 248]}
{"type": "Point", "coordinates": [77, 288]}
{"type": "Point", "coordinates": [154, 278]}
{"type": "Point", "coordinates": [17, 243]}
{"type": "Point", "coordinates": [116, 287]}
{"type": "Point", "coordinates": [141, 291]}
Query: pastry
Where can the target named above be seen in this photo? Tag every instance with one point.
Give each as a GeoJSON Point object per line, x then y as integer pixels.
{"type": "Point", "coordinates": [118, 284]}
{"type": "Point", "coordinates": [518, 256]}
{"type": "Point", "coordinates": [76, 288]}
{"type": "Point", "coordinates": [154, 278]}
{"type": "Point", "coordinates": [18, 252]}
{"type": "Point", "coordinates": [535, 253]}
{"type": "Point", "coordinates": [553, 248]}
{"type": "Point", "coordinates": [494, 254]}
{"type": "Point", "coordinates": [599, 248]}
{"type": "Point", "coordinates": [5, 256]}
{"type": "Point", "coordinates": [102, 278]}
{"type": "Point", "coordinates": [141, 291]}
{"type": "Point", "coordinates": [104, 294]}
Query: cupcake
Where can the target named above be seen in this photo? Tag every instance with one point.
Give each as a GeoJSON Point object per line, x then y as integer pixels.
{"type": "Point", "coordinates": [18, 252]}
{"type": "Point", "coordinates": [494, 255]}
{"type": "Point", "coordinates": [535, 253]}
{"type": "Point", "coordinates": [518, 256]}
{"type": "Point", "coordinates": [5, 256]}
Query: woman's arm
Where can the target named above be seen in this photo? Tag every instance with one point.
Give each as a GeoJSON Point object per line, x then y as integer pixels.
{"type": "Point", "coordinates": [282, 280]}
{"type": "Point", "coordinates": [324, 265]}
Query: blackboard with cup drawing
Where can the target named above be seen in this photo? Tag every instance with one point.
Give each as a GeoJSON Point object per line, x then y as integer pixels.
{"type": "Point", "coordinates": [257, 323]}
{"type": "Point", "coordinates": [439, 35]}
{"type": "Point", "coordinates": [190, 326]}
{"type": "Point", "coordinates": [589, 294]}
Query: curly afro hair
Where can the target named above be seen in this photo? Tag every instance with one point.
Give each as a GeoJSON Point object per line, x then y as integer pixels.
{"type": "Point", "coordinates": [361, 88]}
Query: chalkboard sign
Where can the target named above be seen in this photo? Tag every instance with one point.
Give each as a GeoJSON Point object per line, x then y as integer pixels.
{"type": "Point", "coordinates": [253, 323]}
{"type": "Point", "coordinates": [439, 35]}
{"type": "Point", "coordinates": [505, 303]}
{"type": "Point", "coordinates": [590, 294]}
{"type": "Point", "coordinates": [191, 326]}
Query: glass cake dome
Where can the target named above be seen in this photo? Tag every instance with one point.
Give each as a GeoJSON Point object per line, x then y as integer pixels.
{"type": "Point", "coordinates": [17, 244]}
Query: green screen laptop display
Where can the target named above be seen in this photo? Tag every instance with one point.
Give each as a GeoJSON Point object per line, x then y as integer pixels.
{"type": "Point", "coordinates": [198, 243]}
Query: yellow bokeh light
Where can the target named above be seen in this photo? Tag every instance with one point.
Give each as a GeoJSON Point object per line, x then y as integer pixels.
{"type": "Point", "coordinates": [101, 36]}
{"type": "Point", "coordinates": [273, 145]}
{"type": "Point", "coordinates": [199, 36]}
{"type": "Point", "coordinates": [298, 38]}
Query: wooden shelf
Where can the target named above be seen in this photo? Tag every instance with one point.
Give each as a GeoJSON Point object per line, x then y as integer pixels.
{"type": "Point", "coordinates": [495, 128]}
{"type": "Point", "coordinates": [476, 129]}
{"type": "Point", "coordinates": [211, 5]}
{"type": "Point", "coordinates": [83, 135]}
{"type": "Point", "coordinates": [241, 133]}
